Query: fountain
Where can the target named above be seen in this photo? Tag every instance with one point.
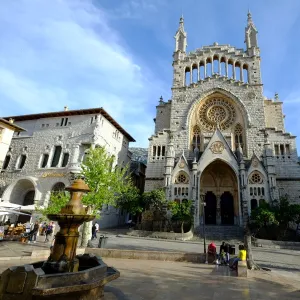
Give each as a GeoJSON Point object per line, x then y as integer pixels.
{"type": "Point", "coordinates": [64, 275]}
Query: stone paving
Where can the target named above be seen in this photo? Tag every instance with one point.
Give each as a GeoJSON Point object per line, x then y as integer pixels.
{"type": "Point", "coordinates": [155, 280]}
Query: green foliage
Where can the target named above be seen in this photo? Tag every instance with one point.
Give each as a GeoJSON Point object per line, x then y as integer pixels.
{"type": "Point", "coordinates": [56, 202]}
{"type": "Point", "coordinates": [181, 211]}
{"type": "Point", "coordinates": [131, 201]}
{"type": "Point", "coordinates": [278, 215]}
{"type": "Point", "coordinates": [155, 199]}
{"type": "Point", "coordinates": [106, 185]}
{"type": "Point", "coordinates": [263, 216]}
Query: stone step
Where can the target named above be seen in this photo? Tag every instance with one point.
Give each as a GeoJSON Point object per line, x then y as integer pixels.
{"type": "Point", "coordinates": [217, 232]}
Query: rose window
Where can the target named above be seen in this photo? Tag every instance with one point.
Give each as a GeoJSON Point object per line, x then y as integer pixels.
{"type": "Point", "coordinates": [216, 111]}
{"type": "Point", "coordinates": [216, 114]}
{"type": "Point", "coordinates": [181, 178]}
{"type": "Point", "coordinates": [255, 178]}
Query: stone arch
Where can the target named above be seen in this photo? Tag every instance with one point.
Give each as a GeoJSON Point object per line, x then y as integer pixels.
{"type": "Point", "coordinates": [21, 192]}
{"type": "Point", "coordinates": [58, 187]}
{"type": "Point", "coordinates": [194, 104]}
{"type": "Point", "coordinates": [218, 178]}
{"type": "Point", "coordinates": [7, 194]}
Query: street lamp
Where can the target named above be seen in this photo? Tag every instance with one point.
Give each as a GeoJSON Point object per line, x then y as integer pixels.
{"type": "Point", "coordinates": [203, 203]}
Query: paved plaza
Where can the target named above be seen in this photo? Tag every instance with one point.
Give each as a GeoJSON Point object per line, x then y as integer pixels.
{"type": "Point", "coordinates": [174, 280]}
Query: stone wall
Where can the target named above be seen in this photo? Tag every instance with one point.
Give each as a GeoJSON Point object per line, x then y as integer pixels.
{"type": "Point", "coordinates": [77, 134]}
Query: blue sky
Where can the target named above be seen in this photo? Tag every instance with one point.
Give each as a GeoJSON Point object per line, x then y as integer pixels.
{"type": "Point", "coordinates": [118, 53]}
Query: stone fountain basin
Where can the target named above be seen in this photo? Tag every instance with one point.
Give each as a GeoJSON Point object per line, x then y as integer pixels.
{"type": "Point", "coordinates": [31, 282]}
{"type": "Point", "coordinates": [71, 219]}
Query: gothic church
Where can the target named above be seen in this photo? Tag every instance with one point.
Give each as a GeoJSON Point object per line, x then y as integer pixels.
{"type": "Point", "coordinates": [219, 142]}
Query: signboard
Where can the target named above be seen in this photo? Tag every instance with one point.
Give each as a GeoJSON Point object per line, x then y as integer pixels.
{"type": "Point", "coordinates": [44, 175]}
{"type": "Point", "coordinates": [1, 233]}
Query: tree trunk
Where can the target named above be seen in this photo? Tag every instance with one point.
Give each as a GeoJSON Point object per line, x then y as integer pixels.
{"type": "Point", "coordinates": [182, 232]}
{"type": "Point", "coordinates": [248, 245]}
{"type": "Point", "coordinates": [86, 231]}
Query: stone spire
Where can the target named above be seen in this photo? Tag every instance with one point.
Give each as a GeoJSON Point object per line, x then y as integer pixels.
{"type": "Point", "coordinates": [180, 37]}
{"type": "Point", "coordinates": [251, 36]}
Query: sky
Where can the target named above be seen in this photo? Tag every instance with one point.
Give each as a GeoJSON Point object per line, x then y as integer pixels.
{"type": "Point", "coordinates": [118, 54]}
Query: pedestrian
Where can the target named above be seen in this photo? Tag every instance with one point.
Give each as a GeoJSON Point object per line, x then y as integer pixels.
{"type": "Point", "coordinates": [97, 226]}
{"type": "Point", "coordinates": [27, 227]}
{"type": "Point", "coordinates": [33, 233]}
{"type": "Point", "coordinates": [242, 257]}
{"type": "Point", "coordinates": [224, 254]}
{"type": "Point", "coordinates": [94, 235]}
{"type": "Point", "coordinates": [211, 250]}
{"type": "Point", "coordinates": [49, 231]}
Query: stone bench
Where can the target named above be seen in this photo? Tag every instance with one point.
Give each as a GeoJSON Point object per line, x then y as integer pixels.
{"type": "Point", "coordinates": [242, 269]}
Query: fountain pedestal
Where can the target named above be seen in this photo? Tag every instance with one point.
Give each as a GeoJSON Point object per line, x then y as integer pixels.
{"type": "Point", "coordinates": [64, 275]}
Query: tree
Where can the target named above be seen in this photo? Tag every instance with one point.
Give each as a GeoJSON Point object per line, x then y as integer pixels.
{"type": "Point", "coordinates": [181, 211]}
{"type": "Point", "coordinates": [56, 202]}
{"type": "Point", "coordinates": [131, 201]}
{"type": "Point", "coordinates": [106, 184]}
{"type": "Point", "coordinates": [156, 200]}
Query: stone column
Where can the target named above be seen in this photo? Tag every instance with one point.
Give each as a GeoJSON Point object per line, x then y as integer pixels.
{"type": "Point", "coordinates": [241, 74]}
{"type": "Point", "coordinates": [204, 69]}
{"type": "Point", "coordinates": [74, 163]}
{"type": "Point", "coordinates": [233, 70]}
{"type": "Point", "coordinates": [212, 67]}
{"type": "Point", "coordinates": [191, 75]}
{"type": "Point", "coordinates": [218, 218]}
{"type": "Point", "coordinates": [219, 67]}
{"type": "Point", "coordinates": [226, 68]}
{"type": "Point", "coordinates": [198, 72]}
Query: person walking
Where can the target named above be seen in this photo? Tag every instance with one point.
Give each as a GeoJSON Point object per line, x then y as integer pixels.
{"type": "Point", "coordinates": [33, 233]}
{"type": "Point", "coordinates": [94, 235]}
{"type": "Point", "coordinates": [49, 231]}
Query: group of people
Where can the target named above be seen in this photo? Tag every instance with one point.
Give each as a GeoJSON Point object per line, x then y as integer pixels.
{"type": "Point", "coordinates": [223, 257]}
{"type": "Point", "coordinates": [43, 229]}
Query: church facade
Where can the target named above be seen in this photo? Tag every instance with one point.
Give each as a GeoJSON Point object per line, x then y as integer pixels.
{"type": "Point", "coordinates": [219, 142]}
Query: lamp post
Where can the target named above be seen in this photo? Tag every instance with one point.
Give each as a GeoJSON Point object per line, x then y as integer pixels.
{"type": "Point", "coordinates": [203, 203]}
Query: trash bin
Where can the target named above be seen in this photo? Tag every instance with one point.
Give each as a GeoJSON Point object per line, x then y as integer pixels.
{"type": "Point", "coordinates": [102, 241]}
{"type": "Point", "coordinates": [232, 249]}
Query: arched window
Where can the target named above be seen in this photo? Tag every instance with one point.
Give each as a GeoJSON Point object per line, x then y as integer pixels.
{"type": "Point", "coordinates": [208, 67]}
{"type": "Point", "coordinates": [237, 71]}
{"type": "Point", "coordinates": [65, 159]}
{"type": "Point", "coordinates": [238, 136]}
{"type": "Point", "coordinates": [44, 160]}
{"type": "Point", "coordinates": [196, 137]}
{"type": "Point", "coordinates": [182, 177]}
{"type": "Point", "coordinates": [6, 162]}
{"type": "Point", "coordinates": [187, 76]}
{"type": "Point", "coordinates": [223, 66]}
{"type": "Point", "coordinates": [58, 187]}
{"type": "Point", "coordinates": [256, 178]}
{"type": "Point", "coordinates": [195, 73]}
{"type": "Point", "coordinates": [201, 71]}
{"type": "Point", "coordinates": [21, 162]}
{"type": "Point", "coordinates": [56, 156]}
{"type": "Point", "coordinates": [216, 64]}
{"type": "Point", "coordinates": [230, 69]}
{"type": "Point", "coordinates": [245, 73]}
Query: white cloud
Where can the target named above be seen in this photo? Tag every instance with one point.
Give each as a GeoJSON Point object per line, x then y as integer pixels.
{"type": "Point", "coordinates": [56, 53]}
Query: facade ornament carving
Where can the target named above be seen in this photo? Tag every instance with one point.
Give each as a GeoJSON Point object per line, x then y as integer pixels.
{"type": "Point", "coordinates": [181, 164]}
{"type": "Point", "coordinates": [217, 147]}
{"type": "Point", "coordinates": [255, 163]}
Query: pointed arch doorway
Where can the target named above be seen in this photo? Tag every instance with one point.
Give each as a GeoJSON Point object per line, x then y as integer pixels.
{"type": "Point", "coordinates": [219, 183]}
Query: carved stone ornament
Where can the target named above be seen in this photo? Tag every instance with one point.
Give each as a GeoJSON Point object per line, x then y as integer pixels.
{"type": "Point", "coordinates": [255, 163]}
{"type": "Point", "coordinates": [217, 147]}
{"type": "Point", "coordinates": [181, 164]}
